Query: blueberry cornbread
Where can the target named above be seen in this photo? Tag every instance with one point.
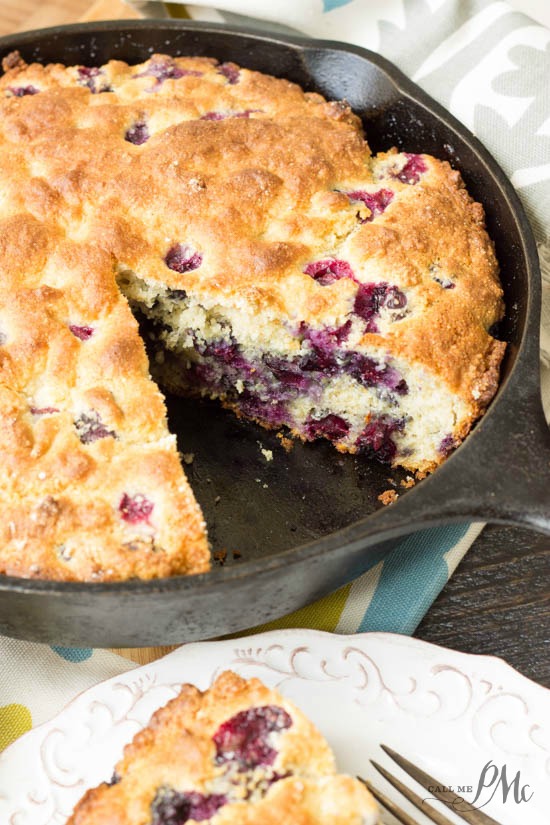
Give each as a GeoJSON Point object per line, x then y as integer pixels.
{"type": "Point", "coordinates": [237, 753]}
{"type": "Point", "coordinates": [274, 263]}
{"type": "Point", "coordinates": [92, 486]}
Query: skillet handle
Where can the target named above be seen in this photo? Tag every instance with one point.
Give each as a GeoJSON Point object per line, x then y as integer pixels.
{"type": "Point", "coordinates": [518, 471]}
{"type": "Point", "coordinates": [502, 474]}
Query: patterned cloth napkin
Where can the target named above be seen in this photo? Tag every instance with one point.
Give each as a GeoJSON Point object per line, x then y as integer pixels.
{"type": "Point", "coordinates": [490, 66]}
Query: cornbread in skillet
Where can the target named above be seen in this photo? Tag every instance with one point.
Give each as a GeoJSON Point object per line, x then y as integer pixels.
{"type": "Point", "coordinates": [237, 753]}
{"type": "Point", "coordinates": [278, 265]}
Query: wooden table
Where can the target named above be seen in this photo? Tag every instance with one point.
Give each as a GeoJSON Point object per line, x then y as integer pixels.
{"type": "Point", "coordinates": [498, 601]}
{"type": "Point", "coordinates": [18, 15]}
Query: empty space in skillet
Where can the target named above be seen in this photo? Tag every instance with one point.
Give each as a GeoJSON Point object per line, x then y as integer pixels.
{"type": "Point", "coordinates": [254, 506]}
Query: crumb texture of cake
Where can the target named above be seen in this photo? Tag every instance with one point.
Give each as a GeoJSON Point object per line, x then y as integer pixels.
{"type": "Point", "coordinates": [237, 753]}
{"type": "Point", "coordinates": [274, 263]}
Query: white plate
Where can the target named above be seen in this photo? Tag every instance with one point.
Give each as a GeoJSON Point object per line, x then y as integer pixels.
{"type": "Point", "coordinates": [451, 713]}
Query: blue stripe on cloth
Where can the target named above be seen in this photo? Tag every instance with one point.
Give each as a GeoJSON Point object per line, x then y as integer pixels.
{"type": "Point", "coordinates": [328, 5]}
{"type": "Point", "coordinates": [412, 577]}
{"type": "Point", "coordinates": [73, 654]}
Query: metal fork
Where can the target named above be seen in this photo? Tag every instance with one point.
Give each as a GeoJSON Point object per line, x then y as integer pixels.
{"type": "Point", "coordinates": [449, 798]}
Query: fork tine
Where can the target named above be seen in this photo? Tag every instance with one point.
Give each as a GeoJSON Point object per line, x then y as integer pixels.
{"type": "Point", "coordinates": [471, 815]}
{"type": "Point", "coordinates": [425, 807]}
{"type": "Point", "coordinates": [386, 803]}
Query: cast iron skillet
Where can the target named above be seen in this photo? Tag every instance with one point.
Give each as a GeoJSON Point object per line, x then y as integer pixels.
{"type": "Point", "coordinates": [309, 521]}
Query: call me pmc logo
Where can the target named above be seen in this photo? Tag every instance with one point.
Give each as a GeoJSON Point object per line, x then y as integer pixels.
{"type": "Point", "coordinates": [493, 781]}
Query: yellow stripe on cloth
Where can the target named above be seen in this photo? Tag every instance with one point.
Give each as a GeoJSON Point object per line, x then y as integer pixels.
{"type": "Point", "coordinates": [178, 11]}
{"type": "Point", "coordinates": [323, 614]}
{"type": "Point", "coordinates": [15, 720]}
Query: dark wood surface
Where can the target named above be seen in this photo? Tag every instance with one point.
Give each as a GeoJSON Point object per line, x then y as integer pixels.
{"type": "Point", "coordinates": [498, 602]}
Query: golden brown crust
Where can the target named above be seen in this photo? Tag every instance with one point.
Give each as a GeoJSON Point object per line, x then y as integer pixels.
{"type": "Point", "coordinates": [251, 172]}
{"type": "Point", "coordinates": [176, 752]}
{"type": "Point", "coordinates": [450, 333]}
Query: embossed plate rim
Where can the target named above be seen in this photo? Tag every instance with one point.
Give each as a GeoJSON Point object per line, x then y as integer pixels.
{"type": "Point", "coordinates": [398, 687]}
